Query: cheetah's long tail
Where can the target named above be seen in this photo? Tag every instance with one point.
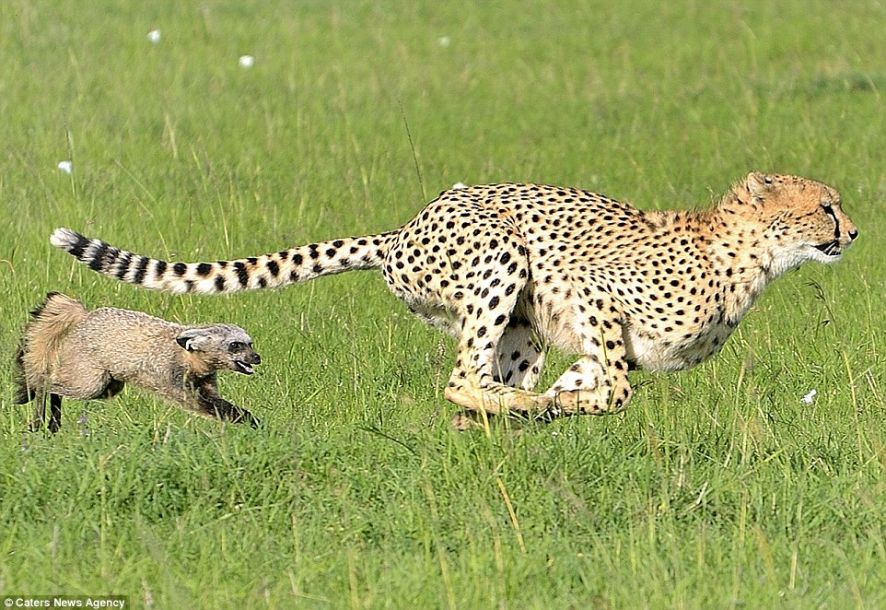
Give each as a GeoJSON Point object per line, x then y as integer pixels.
{"type": "Point", "coordinates": [297, 264]}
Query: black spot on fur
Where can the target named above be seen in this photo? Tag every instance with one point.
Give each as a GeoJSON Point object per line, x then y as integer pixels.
{"type": "Point", "coordinates": [140, 270]}
{"type": "Point", "coordinates": [123, 266]}
{"type": "Point", "coordinates": [204, 269]}
{"type": "Point", "coordinates": [273, 268]}
{"type": "Point", "coordinates": [179, 269]}
{"type": "Point", "coordinates": [98, 258]}
{"type": "Point", "coordinates": [79, 246]}
{"type": "Point", "coordinates": [242, 274]}
{"type": "Point", "coordinates": [219, 283]}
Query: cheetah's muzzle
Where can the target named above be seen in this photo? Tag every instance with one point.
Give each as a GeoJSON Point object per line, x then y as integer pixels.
{"type": "Point", "coordinates": [831, 248]}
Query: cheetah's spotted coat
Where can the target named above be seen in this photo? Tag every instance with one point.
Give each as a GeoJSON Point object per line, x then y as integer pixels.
{"type": "Point", "coordinates": [510, 269]}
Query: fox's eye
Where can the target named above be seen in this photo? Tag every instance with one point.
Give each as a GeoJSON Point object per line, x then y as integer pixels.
{"type": "Point", "coordinates": [236, 346]}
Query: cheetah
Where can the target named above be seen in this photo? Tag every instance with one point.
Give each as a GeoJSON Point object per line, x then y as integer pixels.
{"type": "Point", "coordinates": [511, 270]}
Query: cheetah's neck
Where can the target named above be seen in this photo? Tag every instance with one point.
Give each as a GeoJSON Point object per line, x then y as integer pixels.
{"type": "Point", "coordinates": [740, 261]}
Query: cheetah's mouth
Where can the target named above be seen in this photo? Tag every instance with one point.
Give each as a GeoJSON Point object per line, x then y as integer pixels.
{"type": "Point", "coordinates": [831, 248]}
{"type": "Point", "coordinates": [242, 367]}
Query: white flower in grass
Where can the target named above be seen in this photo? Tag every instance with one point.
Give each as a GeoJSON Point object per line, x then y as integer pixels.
{"type": "Point", "coordinates": [154, 36]}
{"type": "Point", "coordinates": [809, 397]}
{"type": "Point", "coordinates": [444, 41]}
{"type": "Point", "coordinates": [246, 61]}
{"type": "Point", "coordinates": [459, 185]}
{"type": "Point", "coordinates": [66, 166]}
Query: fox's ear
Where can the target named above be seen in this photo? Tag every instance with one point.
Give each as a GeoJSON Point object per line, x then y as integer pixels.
{"type": "Point", "coordinates": [193, 339]}
{"type": "Point", "coordinates": [758, 185]}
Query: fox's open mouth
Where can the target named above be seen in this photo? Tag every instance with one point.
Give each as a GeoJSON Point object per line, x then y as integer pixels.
{"type": "Point", "coordinates": [244, 368]}
{"type": "Point", "coordinates": [831, 248]}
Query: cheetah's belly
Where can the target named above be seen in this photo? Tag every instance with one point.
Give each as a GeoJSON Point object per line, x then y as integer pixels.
{"type": "Point", "coordinates": [663, 352]}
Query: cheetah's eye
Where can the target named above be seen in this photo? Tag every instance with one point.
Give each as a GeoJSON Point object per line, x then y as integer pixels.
{"type": "Point", "coordinates": [236, 346]}
{"type": "Point", "coordinates": [829, 210]}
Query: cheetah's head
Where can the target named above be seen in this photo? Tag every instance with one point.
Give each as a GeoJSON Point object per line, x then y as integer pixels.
{"type": "Point", "coordinates": [798, 219]}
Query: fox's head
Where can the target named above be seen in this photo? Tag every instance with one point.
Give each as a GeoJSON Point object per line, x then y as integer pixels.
{"type": "Point", "coordinates": [221, 346]}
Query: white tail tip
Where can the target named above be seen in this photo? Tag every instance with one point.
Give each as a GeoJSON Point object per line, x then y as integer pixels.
{"type": "Point", "coordinates": [63, 238]}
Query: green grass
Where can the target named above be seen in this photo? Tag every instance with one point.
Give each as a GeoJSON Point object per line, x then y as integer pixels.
{"type": "Point", "coordinates": [717, 488]}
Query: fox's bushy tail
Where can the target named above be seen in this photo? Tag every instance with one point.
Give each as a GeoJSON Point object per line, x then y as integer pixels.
{"type": "Point", "coordinates": [297, 264]}
{"type": "Point", "coordinates": [49, 325]}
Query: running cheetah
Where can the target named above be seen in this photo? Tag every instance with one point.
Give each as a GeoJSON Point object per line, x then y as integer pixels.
{"type": "Point", "coordinates": [511, 269]}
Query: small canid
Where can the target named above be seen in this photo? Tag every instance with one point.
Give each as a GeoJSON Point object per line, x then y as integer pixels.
{"type": "Point", "coordinates": [70, 351]}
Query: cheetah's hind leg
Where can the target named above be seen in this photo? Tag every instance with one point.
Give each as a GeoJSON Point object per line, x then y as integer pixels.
{"type": "Point", "coordinates": [475, 383]}
{"type": "Point", "coordinates": [520, 358]}
{"type": "Point", "coordinates": [519, 361]}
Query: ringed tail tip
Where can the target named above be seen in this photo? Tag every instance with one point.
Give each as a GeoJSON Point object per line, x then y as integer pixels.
{"type": "Point", "coordinates": [64, 238]}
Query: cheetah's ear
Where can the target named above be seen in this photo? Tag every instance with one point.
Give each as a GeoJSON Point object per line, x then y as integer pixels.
{"type": "Point", "coordinates": [759, 186]}
{"type": "Point", "coordinates": [193, 339]}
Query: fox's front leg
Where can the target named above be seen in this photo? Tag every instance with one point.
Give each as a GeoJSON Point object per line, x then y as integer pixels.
{"type": "Point", "coordinates": [210, 404]}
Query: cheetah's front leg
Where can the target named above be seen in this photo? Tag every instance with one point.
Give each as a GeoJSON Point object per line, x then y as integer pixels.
{"type": "Point", "coordinates": [597, 384]}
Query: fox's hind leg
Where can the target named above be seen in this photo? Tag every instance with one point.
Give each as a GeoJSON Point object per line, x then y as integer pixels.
{"type": "Point", "coordinates": [39, 419]}
{"type": "Point", "coordinates": [114, 387]}
{"type": "Point", "coordinates": [55, 412]}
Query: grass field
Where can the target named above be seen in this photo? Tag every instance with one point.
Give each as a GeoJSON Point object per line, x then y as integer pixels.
{"type": "Point", "coordinates": [717, 488]}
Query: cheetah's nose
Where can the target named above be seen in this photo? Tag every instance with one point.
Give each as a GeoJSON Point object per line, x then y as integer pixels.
{"type": "Point", "coordinates": [853, 234]}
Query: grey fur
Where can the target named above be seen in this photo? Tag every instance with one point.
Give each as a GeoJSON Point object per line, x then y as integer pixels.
{"type": "Point", "coordinates": [70, 351]}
